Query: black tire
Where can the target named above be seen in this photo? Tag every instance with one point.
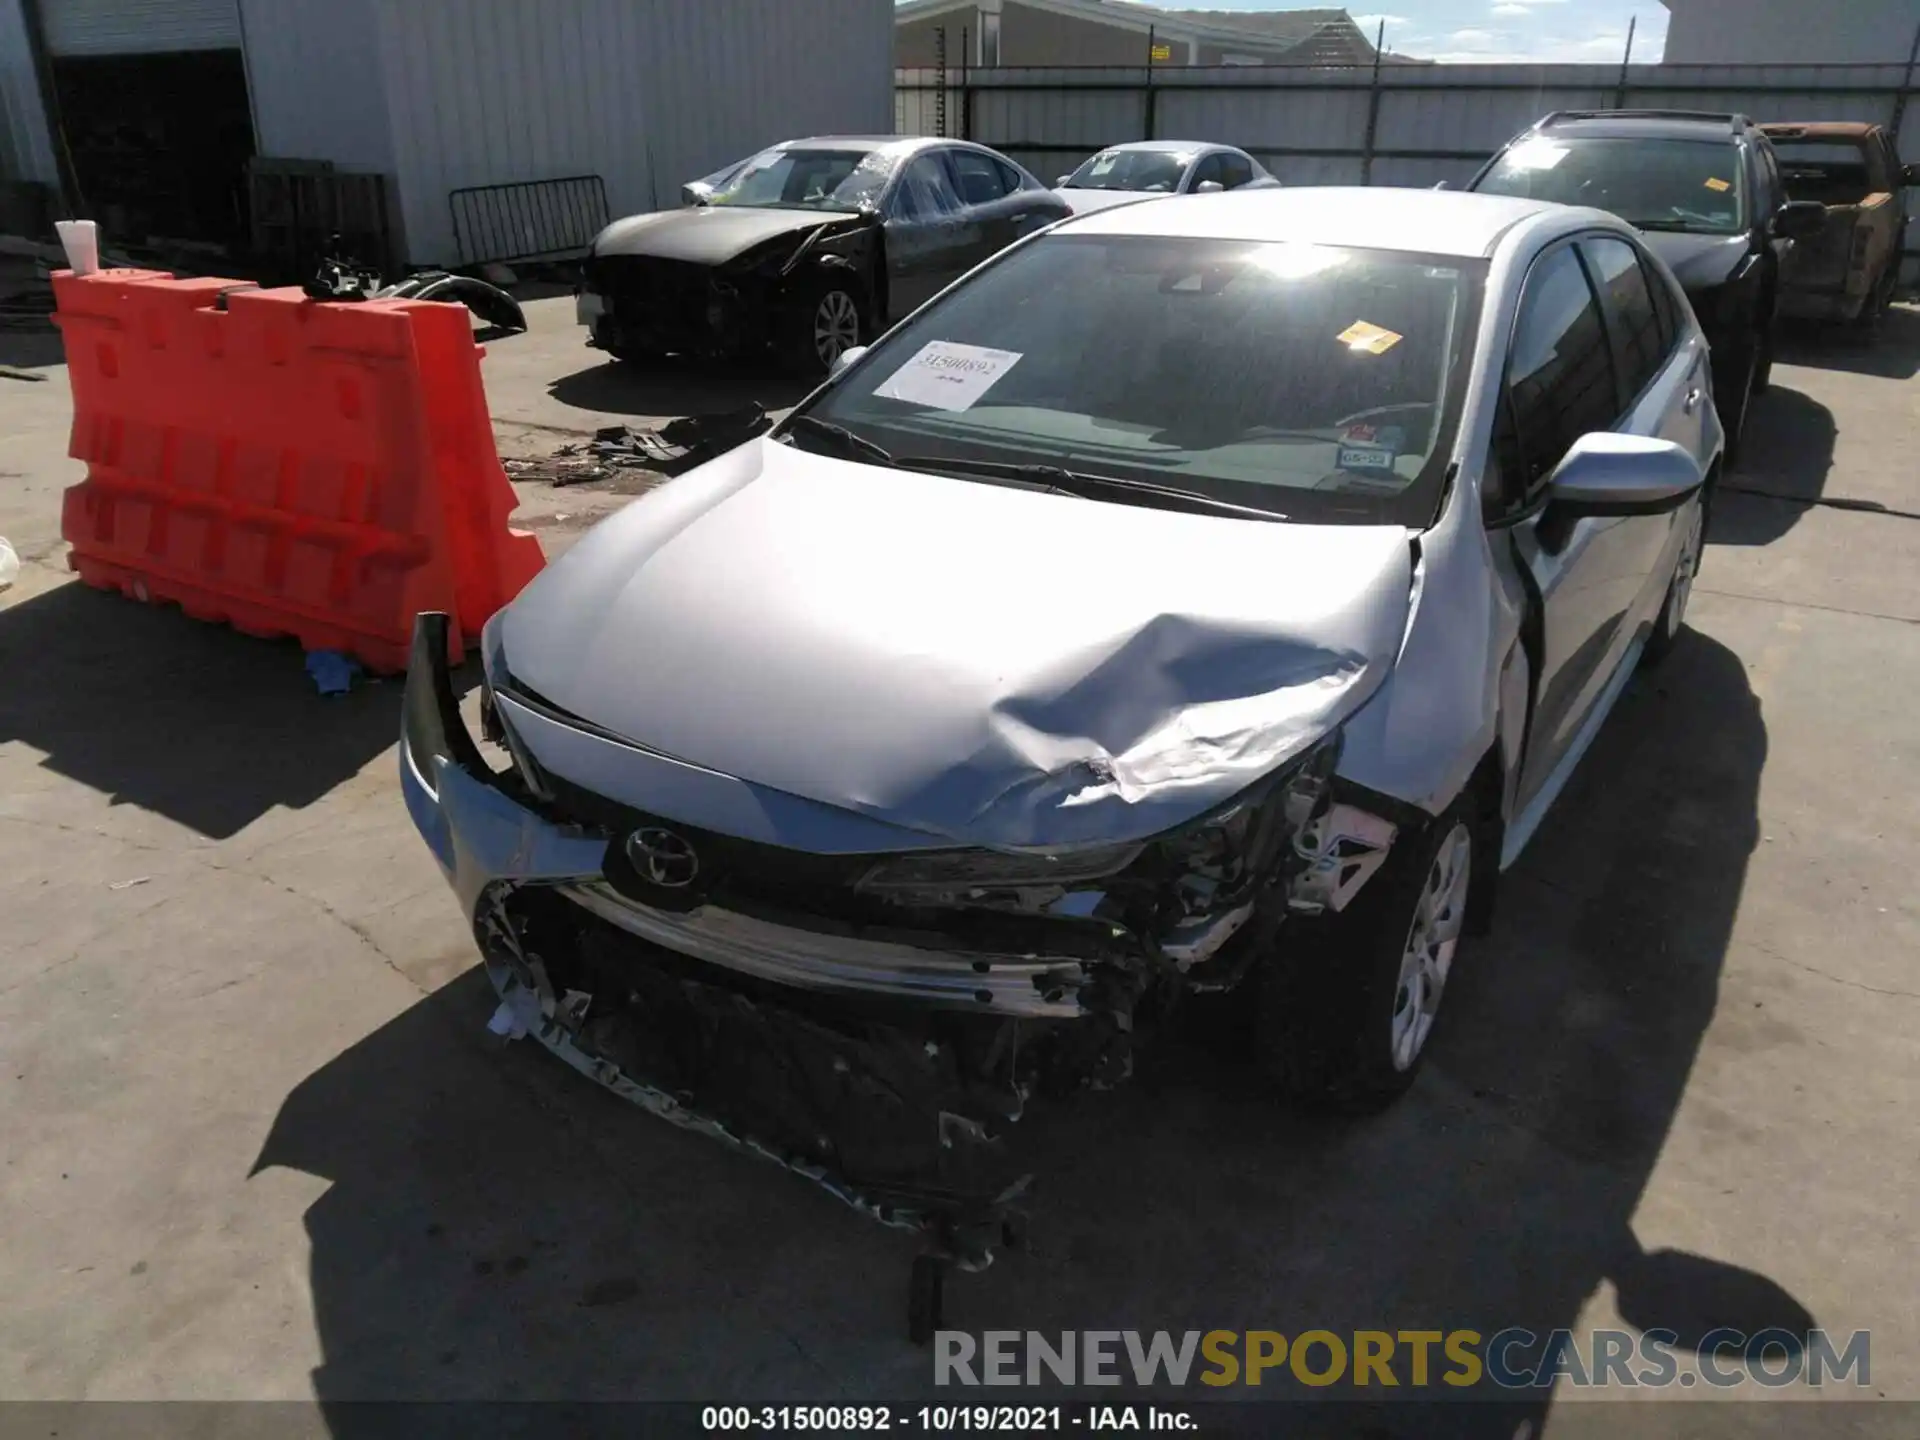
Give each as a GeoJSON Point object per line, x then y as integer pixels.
{"type": "Point", "coordinates": [1733, 394]}
{"type": "Point", "coordinates": [1673, 610]}
{"type": "Point", "coordinates": [828, 320]}
{"type": "Point", "coordinates": [1763, 365]}
{"type": "Point", "coordinates": [1331, 991]}
{"type": "Point", "coordinates": [926, 1298]}
{"type": "Point", "coordinates": [1873, 310]}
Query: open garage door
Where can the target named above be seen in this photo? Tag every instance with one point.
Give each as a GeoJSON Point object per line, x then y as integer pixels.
{"type": "Point", "coordinates": [154, 112]}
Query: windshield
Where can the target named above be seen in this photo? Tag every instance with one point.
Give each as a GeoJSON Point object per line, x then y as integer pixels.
{"type": "Point", "coordinates": [793, 179]}
{"type": "Point", "coordinates": [1317, 383]}
{"type": "Point", "coordinates": [1130, 170]}
{"type": "Point", "coordinates": [1691, 185]}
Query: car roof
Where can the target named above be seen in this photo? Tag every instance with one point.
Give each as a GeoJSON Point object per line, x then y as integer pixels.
{"type": "Point", "coordinates": [1166, 147]}
{"type": "Point", "coordinates": [1436, 222]}
{"type": "Point", "coordinates": [1631, 125]}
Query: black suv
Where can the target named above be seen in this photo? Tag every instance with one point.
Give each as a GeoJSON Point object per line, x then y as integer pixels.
{"type": "Point", "coordinates": [1706, 191]}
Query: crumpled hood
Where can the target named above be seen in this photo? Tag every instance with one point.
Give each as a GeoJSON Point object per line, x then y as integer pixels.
{"type": "Point", "coordinates": [1085, 202]}
{"type": "Point", "coordinates": [1698, 262]}
{"type": "Point", "coordinates": [999, 667]}
{"type": "Point", "coordinates": [710, 234]}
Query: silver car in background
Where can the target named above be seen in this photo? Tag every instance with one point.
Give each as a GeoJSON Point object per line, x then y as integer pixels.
{"type": "Point", "coordinates": [1200, 596]}
{"type": "Point", "coordinates": [1150, 169]}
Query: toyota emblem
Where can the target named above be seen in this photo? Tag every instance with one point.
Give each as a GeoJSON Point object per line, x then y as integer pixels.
{"type": "Point", "coordinates": [663, 858]}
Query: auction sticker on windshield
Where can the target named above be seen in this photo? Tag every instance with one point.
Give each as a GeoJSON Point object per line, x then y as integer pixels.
{"type": "Point", "coordinates": [1373, 339]}
{"type": "Point", "coordinates": [946, 375]}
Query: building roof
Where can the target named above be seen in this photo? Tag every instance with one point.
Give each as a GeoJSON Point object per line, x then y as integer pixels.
{"type": "Point", "coordinates": [1435, 222]}
{"type": "Point", "coordinates": [1321, 35]}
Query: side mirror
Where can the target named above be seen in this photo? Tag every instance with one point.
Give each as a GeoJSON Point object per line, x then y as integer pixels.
{"type": "Point", "coordinates": [1910, 175]}
{"type": "Point", "coordinates": [1444, 185]}
{"type": "Point", "coordinates": [1799, 219]}
{"type": "Point", "coordinates": [1208, 187]}
{"type": "Point", "coordinates": [1605, 473]}
{"type": "Point", "coordinates": [695, 193]}
{"type": "Point", "coordinates": [1061, 182]}
{"type": "Point", "coordinates": [844, 359]}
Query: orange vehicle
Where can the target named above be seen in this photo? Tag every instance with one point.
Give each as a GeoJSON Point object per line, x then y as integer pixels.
{"type": "Point", "coordinates": [1849, 270]}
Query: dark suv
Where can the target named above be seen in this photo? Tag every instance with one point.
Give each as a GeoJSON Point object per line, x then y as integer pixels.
{"type": "Point", "coordinates": [1706, 190]}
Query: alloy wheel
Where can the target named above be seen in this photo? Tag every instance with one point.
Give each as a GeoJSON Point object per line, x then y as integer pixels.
{"type": "Point", "coordinates": [1434, 936]}
{"type": "Point", "coordinates": [836, 326]}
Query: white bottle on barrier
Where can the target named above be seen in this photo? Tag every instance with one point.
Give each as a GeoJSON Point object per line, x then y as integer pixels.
{"type": "Point", "coordinates": [9, 564]}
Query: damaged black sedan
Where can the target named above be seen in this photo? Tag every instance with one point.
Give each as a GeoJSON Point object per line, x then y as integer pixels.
{"type": "Point", "coordinates": [807, 249]}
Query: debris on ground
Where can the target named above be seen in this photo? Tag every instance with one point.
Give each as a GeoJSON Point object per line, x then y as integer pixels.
{"type": "Point", "coordinates": [677, 446]}
{"type": "Point", "coordinates": [332, 671]}
{"type": "Point", "coordinates": [129, 884]}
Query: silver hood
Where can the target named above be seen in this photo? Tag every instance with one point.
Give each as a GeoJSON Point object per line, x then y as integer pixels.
{"type": "Point", "coordinates": [1086, 202]}
{"type": "Point", "coordinates": [993, 666]}
{"type": "Point", "coordinates": [711, 234]}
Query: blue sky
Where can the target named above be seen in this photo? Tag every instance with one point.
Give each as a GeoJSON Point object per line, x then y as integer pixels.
{"type": "Point", "coordinates": [1493, 31]}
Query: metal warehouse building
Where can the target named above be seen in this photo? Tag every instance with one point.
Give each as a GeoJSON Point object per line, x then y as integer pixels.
{"type": "Point", "coordinates": [160, 117]}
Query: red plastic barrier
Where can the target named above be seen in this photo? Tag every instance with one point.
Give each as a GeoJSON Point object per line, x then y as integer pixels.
{"type": "Point", "coordinates": [289, 467]}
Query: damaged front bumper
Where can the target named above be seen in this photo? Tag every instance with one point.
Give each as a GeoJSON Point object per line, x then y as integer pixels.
{"type": "Point", "coordinates": [884, 1072]}
{"type": "Point", "coordinates": [887, 1063]}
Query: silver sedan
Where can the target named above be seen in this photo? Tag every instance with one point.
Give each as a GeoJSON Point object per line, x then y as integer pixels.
{"type": "Point", "coordinates": [1199, 596]}
{"type": "Point", "coordinates": [1150, 169]}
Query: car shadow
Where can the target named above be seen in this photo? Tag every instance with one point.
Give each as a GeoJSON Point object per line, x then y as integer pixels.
{"type": "Point", "coordinates": [496, 1227]}
{"type": "Point", "coordinates": [1786, 459]}
{"type": "Point", "coordinates": [189, 720]}
{"type": "Point", "coordinates": [1891, 354]}
{"type": "Point", "coordinates": [676, 386]}
{"type": "Point", "coordinates": [31, 349]}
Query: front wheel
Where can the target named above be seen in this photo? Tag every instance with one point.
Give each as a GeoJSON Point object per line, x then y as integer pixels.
{"type": "Point", "coordinates": [1348, 1002]}
{"type": "Point", "coordinates": [827, 325]}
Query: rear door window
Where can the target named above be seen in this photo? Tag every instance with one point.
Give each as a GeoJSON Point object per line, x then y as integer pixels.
{"type": "Point", "coordinates": [1238, 169]}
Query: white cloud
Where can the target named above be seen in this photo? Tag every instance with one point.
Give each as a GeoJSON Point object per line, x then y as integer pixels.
{"type": "Point", "coordinates": [1370, 23]}
{"type": "Point", "coordinates": [1507, 11]}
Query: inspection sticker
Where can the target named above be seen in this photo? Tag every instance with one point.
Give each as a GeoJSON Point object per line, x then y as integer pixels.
{"type": "Point", "coordinates": [1716, 184]}
{"type": "Point", "coordinates": [1370, 448]}
{"type": "Point", "coordinates": [1373, 339]}
{"type": "Point", "coordinates": [949, 376]}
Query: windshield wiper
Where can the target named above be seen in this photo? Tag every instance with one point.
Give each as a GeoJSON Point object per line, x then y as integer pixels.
{"type": "Point", "coordinates": [857, 446]}
{"type": "Point", "coordinates": [1075, 482]}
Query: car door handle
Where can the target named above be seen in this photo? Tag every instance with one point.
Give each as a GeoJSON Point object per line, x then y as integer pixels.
{"type": "Point", "coordinates": [1693, 399]}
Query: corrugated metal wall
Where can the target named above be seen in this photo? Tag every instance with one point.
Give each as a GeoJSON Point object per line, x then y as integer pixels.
{"type": "Point", "coordinates": [139, 27]}
{"type": "Point", "coordinates": [645, 95]}
{"type": "Point", "coordinates": [1311, 126]}
{"type": "Point", "coordinates": [318, 82]}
